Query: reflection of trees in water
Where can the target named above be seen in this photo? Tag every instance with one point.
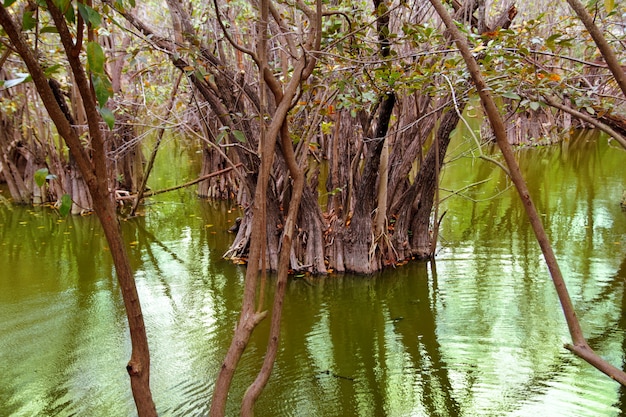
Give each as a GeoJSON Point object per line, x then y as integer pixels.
{"type": "Point", "coordinates": [573, 186]}
{"type": "Point", "coordinates": [438, 390]}
{"type": "Point", "coordinates": [60, 274]}
{"type": "Point", "coordinates": [370, 347]}
{"type": "Point", "coordinates": [197, 293]}
{"type": "Point", "coordinates": [620, 281]}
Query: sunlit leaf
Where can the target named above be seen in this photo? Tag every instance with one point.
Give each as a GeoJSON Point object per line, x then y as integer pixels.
{"type": "Point", "coordinates": [40, 176]}
{"type": "Point", "coordinates": [95, 57]}
{"type": "Point", "coordinates": [49, 29]}
{"type": "Point", "coordinates": [107, 116]}
{"type": "Point", "coordinates": [220, 137]}
{"type": "Point", "coordinates": [609, 5]}
{"type": "Point", "coordinates": [7, 3]}
{"type": "Point", "coordinates": [554, 77]}
{"type": "Point", "coordinates": [22, 77]}
{"type": "Point", "coordinates": [66, 205]}
{"type": "Point", "coordinates": [511, 95]}
{"type": "Point", "coordinates": [52, 69]}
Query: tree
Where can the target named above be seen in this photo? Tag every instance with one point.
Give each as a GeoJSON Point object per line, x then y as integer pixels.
{"type": "Point", "coordinates": [375, 89]}
{"type": "Point", "coordinates": [385, 85]}
{"type": "Point", "coordinates": [580, 346]}
{"type": "Point", "coordinates": [94, 94]}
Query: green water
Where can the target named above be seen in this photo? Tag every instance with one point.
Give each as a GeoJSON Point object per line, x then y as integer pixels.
{"type": "Point", "coordinates": [478, 333]}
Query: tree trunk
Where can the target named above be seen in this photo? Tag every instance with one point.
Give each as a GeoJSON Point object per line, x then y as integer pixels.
{"type": "Point", "coordinates": [94, 172]}
{"type": "Point", "coordinates": [427, 182]}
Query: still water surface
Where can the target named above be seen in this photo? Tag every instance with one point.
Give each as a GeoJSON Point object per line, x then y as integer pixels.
{"type": "Point", "coordinates": [478, 333]}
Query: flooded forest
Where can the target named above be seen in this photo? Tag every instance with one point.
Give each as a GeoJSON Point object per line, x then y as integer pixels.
{"type": "Point", "coordinates": [380, 208]}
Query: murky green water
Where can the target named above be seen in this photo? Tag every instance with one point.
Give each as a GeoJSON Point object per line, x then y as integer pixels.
{"type": "Point", "coordinates": [479, 333]}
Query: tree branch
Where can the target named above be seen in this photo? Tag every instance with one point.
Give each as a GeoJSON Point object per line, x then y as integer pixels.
{"type": "Point", "coordinates": [516, 176]}
{"type": "Point", "coordinates": [552, 101]}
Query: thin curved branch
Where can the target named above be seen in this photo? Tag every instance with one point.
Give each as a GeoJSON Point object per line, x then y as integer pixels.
{"type": "Point", "coordinates": [605, 49]}
{"type": "Point", "coordinates": [580, 345]}
{"type": "Point", "coordinates": [291, 46]}
{"type": "Point", "coordinates": [551, 101]}
{"type": "Point", "coordinates": [230, 40]}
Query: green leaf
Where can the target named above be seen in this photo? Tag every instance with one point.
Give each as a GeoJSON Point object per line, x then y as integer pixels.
{"type": "Point", "coordinates": [52, 69]}
{"type": "Point", "coordinates": [102, 87]}
{"type": "Point", "coordinates": [7, 3]}
{"type": "Point", "coordinates": [40, 177]}
{"type": "Point", "coordinates": [107, 116]}
{"type": "Point", "coordinates": [62, 4]}
{"type": "Point", "coordinates": [95, 57]}
{"type": "Point", "coordinates": [512, 95]}
{"type": "Point", "coordinates": [238, 134]}
{"type": "Point", "coordinates": [89, 15]}
{"type": "Point", "coordinates": [66, 205]}
{"type": "Point", "coordinates": [69, 15]}
{"type": "Point", "coordinates": [609, 5]}
{"type": "Point", "coordinates": [534, 105]}
{"type": "Point", "coordinates": [220, 137]}
{"type": "Point", "coordinates": [49, 29]}
{"type": "Point", "coordinates": [28, 20]}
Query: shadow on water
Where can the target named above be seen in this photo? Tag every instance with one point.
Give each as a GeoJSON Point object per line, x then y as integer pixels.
{"type": "Point", "coordinates": [362, 346]}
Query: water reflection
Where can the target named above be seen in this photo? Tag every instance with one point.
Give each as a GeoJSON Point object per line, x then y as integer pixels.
{"type": "Point", "coordinates": [477, 333]}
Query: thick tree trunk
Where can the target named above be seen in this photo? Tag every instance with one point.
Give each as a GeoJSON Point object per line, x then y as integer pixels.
{"type": "Point", "coordinates": [10, 148]}
{"type": "Point", "coordinates": [78, 190]}
{"type": "Point", "coordinates": [427, 182]}
{"type": "Point", "coordinates": [358, 235]}
{"type": "Point", "coordinates": [308, 242]}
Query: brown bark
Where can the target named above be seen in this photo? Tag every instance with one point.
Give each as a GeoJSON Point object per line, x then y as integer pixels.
{"type": "Point", "coordinates": [249, 318]}
{"type": "Point", "coordinates": [580, 347]}
{"type": "Point", "coordinates": [95, 176]}
{"type": "Point", "coordinates": [12, 175]}
{"type": "Point", "coordinates": [255, 389]}
{"type": "Point", "coordinates": [297, 175]}
{"type": "Point", "coordinates": [358, 235]}
{"type": "Point", "coordinates": [427, 182]}
{"type": "Point", "coordinates": [13, 151]}
{"type": "Point", "coordinates": [605, 49]}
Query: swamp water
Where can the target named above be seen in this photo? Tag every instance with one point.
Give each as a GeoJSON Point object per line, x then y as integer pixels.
{"type": "Point", "coordinates": [477, 333]}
